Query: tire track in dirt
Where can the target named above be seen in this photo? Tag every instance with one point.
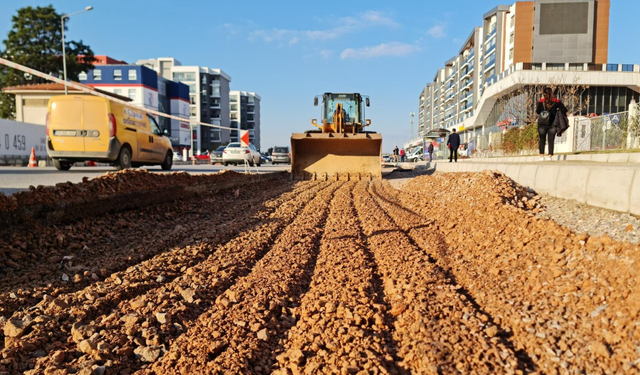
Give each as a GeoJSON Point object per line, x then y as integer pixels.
{"type": "Point", "coordinates": [104, 304]}
{"type": "Point", "coordinates": [570, 301]}
{"type": "Point", "coordinates": [236, 335]}
{"type": "Point", "coordinates": [435, 327]}
{"type": "Point", "coordinates": [341, 325]}
{"type": "Point", "coordinates": [424, 236]}
{"type": "Point", "coordinates": [102, 246]}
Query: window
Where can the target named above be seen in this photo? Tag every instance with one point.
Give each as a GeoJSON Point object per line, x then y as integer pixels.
{"type": "Point", "coordinates": [511, 38]}
{"type": "Point", "coordinates": [82, 76]}
{"type": "Point", "coordinates": [133, 75]}
{"type": "Point", "coordinates": [192, 88]}
{"type": "Point", "coordinates": [193, 111]}
{"type": "Point", "coordinates": [513, 20]}
{"type": "Point", "coordinates": [204, 80]}
{"type": "Point", "coordinates": [155, 129]}
{"type": "Point", "coordinates": [184, 76]}
{"type": "Point", "coordinates": [193, 99]}
{"type": "Point", "coordinates": [132, 94]}
{"type": "Point", "coordinates": [511, 53]}
{"type": "Point", "coordinates": [117, 74]}
{"type": "Point", "coordinates": [97, 74]}
{"type": "Point", "coordinates": [117, 91]}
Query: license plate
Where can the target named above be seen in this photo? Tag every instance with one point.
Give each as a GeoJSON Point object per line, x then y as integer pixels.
{"type": "Point", "coordinates": [65, 133]}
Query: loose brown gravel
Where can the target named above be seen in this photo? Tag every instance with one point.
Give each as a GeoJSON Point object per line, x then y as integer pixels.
{"type": "Point", "coordinates": [445, 274]}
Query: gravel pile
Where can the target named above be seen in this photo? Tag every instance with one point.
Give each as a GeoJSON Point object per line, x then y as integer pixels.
{"type": "Point", "coordinates": [592, 220]}
{"type": "Point", "coordinates": [455, 273]}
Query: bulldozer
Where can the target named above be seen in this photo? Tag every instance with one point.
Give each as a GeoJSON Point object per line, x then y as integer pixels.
{"type": "Point", "coordinates": [338, 148]}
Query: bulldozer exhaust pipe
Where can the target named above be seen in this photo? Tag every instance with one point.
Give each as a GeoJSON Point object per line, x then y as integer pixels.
{"type": "Point", "coordinates": [336, 156]}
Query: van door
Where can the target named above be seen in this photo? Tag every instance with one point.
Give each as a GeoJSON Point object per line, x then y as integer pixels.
{"type": "Point", "coordinates": [65, 124]}
{"type": "Point", "coordinates": [157, 146]}
{"type": "Point", "coordinates": [96, 124]}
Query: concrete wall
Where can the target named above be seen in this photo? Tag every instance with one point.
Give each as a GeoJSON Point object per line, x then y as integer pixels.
{"type": "Point", "coordinates": [17, 139]}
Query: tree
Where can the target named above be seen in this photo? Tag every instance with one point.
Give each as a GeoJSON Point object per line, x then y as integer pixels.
{"type": "Point", "coordinates": [35, 40]}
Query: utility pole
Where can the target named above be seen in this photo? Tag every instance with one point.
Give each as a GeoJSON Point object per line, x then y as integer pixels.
{"type": "Point", "coordinates": [412, 114]}
{"type": "Point", "coordinates": [64, 52]}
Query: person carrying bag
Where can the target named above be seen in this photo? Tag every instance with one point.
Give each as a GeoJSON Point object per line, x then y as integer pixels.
{"type": "Point", "coordinates": [547, 111]}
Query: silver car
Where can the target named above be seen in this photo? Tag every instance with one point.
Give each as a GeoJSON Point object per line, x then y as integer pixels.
{"type": "Point", "coordinates": [235, 154]}
{"type": "Point", "coordinates": [280, 155]}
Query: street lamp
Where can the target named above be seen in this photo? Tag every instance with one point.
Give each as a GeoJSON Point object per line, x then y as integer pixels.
{"type": "Point", "coordinates": [64, 54]}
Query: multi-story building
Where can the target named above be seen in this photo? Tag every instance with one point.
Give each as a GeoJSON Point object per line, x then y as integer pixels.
{"type": "Point", "coordinates": [245, 115]}
{"type": "Point", "coordinates": [559, 42]}
{"type": "Point", "coordinates": [208, 97]}
{"type": "Point", "coordinates": [147, 89]}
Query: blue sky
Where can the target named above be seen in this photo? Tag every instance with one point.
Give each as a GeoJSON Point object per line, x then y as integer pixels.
{"type": "Point", "coordinates": [289, 51]}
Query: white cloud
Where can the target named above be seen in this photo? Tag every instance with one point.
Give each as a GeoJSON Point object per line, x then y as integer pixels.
{"type": "Point", "coordinates": [326, 53]}
{"type": "Point", "coordinates": [347, 25]}
{"type": "Point", "coordinates": [396, 49]}
{"type": "Point", "coordinates": [437, 31]}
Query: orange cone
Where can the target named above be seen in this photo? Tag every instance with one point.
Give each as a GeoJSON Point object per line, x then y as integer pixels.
{"type": "Point", "coordinates": [32, 160]}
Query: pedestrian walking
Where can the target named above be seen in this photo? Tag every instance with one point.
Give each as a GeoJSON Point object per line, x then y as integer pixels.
{"type": "Point", "coordinates": [395, 154]}
{"type": "Point", "coordinates": [453, 143]}
{"type": "Point", "coordinates": [547, 110]}
{"type": "Point", "coordinates": [430, 151]}
{"type": "Point", "coordinates": [402, 155]}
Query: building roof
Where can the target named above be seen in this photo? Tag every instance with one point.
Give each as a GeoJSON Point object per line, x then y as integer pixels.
{"type": "Point", "coordinates": [55, 87]}
{"type": "Point", "coordinates": [499, 8]}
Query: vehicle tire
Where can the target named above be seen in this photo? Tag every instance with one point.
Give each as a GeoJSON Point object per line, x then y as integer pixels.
{"type": "Point", "coordinates": [225, 164]}
{"type": "Point", "coordinates": [251, 163]}
{"type": "Point", "coordinates": [168, 162]}
{"type": "Point", "coordinates": [124, 159]}
{"type": "Point", "coordinates": [61, 165]}
{"type": "Point", "coordinates": [258, 163]}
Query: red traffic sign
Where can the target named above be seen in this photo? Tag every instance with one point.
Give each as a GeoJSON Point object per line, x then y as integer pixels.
{"type": "Point", "coordinates": [244, 138]}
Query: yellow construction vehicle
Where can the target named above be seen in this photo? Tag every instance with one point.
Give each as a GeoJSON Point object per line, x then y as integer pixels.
{"type": "Point", "coordinates": [339, 148]}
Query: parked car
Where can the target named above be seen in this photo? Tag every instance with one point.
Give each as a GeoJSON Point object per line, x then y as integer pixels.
{"type": "Point", "coordinates": [416, 155]}
{"type": "Point", "coordinates": [235, 154]}
{"type": "Point", "coordinates": [198, 156]}
{"type": "Point", "coordinates": [216, 155]}
{"type": "Point", "coordinates": [89, 128]}
{"type": "Point", "coordinates": [280, 155]}
{"type": "Point", "coordinates": [387, 158]}
{"type": "Point", "coordinates": [177, 157]}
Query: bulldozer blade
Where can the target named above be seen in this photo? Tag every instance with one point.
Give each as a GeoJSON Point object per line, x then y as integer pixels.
{"type": "Point", "coordinates": [335, 156]}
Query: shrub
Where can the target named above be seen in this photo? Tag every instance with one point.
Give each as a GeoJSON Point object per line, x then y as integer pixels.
{"type": "Point", "coordinates": [520, 138]}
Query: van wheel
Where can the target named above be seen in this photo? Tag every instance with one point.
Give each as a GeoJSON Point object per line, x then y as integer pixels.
{"type": "Point", "coordinates": [61, 165]}
{"type": "Point", "coordinates": [251, 163]}
{"type": "Point", "coordinates": [225, 164]}
{"type": "Point", "coordinates": [168, 161]}
{"type": "Point", "coordinates": [124, 159]}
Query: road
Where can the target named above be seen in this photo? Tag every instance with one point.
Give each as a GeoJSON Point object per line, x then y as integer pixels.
{"type": "Point", "coordinates": [14, 179]}
{"type": "Point", "coordinates": [450, 274]}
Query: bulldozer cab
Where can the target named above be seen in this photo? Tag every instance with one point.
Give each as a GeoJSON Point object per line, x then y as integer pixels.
{"type": "Point", "coordinates": [342, 113]}
{"type": "Point", "coordinates": [339, 149]}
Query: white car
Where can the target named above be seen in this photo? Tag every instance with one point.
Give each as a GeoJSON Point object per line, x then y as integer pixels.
{"type": "Point", "coordinates": [416, 155]}
{"type": "Point", "coordinates": [177, 157]}
{"type": "Point", "coordinates": [236, 154]}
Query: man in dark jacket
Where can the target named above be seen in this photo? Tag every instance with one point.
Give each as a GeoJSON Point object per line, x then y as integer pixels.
{"type": "Point", "coordinates": [430, 150]}
{"type": "Point", "coordinates": [453, 143]}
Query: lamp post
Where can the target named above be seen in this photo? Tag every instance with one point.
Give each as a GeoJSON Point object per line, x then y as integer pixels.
{"type": "Point", "coordinates": [412, 114]}
{"type": "Point", "coordinates": [64, 54]}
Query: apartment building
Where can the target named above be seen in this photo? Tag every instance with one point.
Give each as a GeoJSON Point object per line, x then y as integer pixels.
{"type": "Point", "coordinates": [146, 89]}
{"type": "Point", "coordinates": [527, 43]}
{"type": "Point", "coordinates": [208, 99]}
{"type": "Point", "coordinates": [245, 115]}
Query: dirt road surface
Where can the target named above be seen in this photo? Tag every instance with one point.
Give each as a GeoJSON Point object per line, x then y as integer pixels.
{"type": "Point", "coordinates": [138, 273]}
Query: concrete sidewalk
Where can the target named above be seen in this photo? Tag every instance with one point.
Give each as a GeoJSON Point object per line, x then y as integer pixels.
{"type": "Point", "coordinates": [612, 184]}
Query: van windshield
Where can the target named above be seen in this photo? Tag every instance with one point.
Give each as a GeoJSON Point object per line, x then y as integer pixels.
{"type": "Point", "coordinates": [281, 150]}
